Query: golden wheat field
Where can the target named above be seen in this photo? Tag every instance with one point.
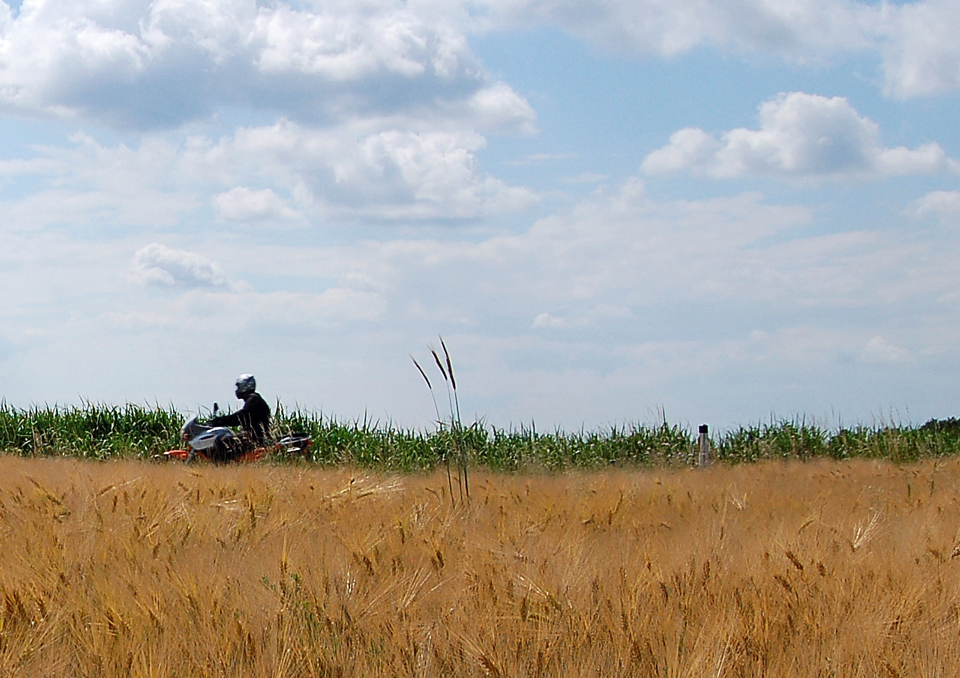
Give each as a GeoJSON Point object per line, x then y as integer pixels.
{"type": "Point", "coordinates": [779, 569]}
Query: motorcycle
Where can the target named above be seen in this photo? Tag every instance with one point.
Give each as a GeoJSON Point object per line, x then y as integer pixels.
{"type": "Point", "coordinates": [219, 443]}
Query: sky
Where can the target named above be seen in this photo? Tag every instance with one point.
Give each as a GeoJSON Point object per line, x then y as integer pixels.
{"type": "Point", "coordinates": [613, 211]}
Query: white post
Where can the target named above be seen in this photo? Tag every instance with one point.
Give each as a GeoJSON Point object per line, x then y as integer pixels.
{"type": "Point", "coordinates": [704, 446]}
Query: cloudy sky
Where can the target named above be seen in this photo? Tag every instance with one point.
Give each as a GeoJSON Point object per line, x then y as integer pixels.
{"type": "Point", "coordinates": [611, 210]}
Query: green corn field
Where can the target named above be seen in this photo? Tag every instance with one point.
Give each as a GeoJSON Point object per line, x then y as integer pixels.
{"type": "Point", "coordinates": [100, 431]}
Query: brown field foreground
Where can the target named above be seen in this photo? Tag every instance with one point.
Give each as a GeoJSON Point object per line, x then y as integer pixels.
{"type": "Point", "coordinates": [777, 569]}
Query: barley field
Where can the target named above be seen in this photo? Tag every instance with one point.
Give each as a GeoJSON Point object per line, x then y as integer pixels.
{"type": "Point", "coordinates": [780, 568]}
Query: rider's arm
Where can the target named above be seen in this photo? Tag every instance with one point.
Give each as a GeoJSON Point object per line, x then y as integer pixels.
{"type": "Point", "coordinates": [226, 420]}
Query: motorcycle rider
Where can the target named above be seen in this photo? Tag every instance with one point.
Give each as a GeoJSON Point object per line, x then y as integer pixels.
{"type": "Point", "coordinates": [253, 418]}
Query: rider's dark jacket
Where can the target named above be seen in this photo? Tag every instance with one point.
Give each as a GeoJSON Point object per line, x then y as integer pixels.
{"type": "Point", "coordinates": [253, 418]}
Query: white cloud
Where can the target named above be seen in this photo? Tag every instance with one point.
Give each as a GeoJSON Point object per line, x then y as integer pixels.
{"type": "Point", "coordinates": [381, 173]}
{"type": "Point", "coordinates": [243, 204]}
{"type": "Point", "coordinates": [380, 169]}
{"type": "Point", "coordinates": [879, 350]}
{"type": "Point", "coordinates": [945, 205]}
{"type": "Point", "coordinates": [915, 40]}
{"type": "Point", "coordinates": [89, 185]}
{"type": "Point", "coordinates": [920, 47]}
{"type": "Point", "coordinates": [157, 264]}
{"type": "Point", "coordinates": [800, 135]}
{"type": "Point", "coordinates": [498, 107]}
{"type": "Point", "coordinates": [628, 252]}
{"type": "Point", "coordinates": [349, 41]}
{"type": "Point", "coordinates": [143, 65]}
{"type": "Point", "coordinates": [689, 149]}
{"type": "Point", "coordinates": [548, 320]}
{"type": "Point", "coordinates": [146, 65]}
{"type": "Point", "coordinates": [799, 29]}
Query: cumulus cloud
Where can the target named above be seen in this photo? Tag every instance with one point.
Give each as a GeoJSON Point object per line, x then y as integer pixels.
{"type": "Point", "coordinates": [944, 205]}
{"type": "Point", "coordinates": [146, 65]}
{"type": "Point", "coordinates": [286, 172]}
{"type": "Point", "coordinates": [393, 173]}
{"type": "Point", "coordinates": [916, 41]}
{"type": "Point", "coordinates": [157, 264]}
{"type": "Point", "coordinates": [499, 108]}
{"type": "Point", "coordinates": [920, 47]}
{"type": "Point", "coordinates": [800, 135]}
{"type": "Point", "coordinates": [157, 64]}
{"type": "Point", "coordinates": [243, 204]}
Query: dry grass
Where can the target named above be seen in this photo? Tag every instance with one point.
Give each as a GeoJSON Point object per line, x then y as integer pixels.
{"type": "Point", "coordinates": [778, 569]}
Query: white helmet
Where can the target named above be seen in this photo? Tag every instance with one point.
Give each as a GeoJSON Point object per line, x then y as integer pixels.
{"type": "Point", "coordinates": [246, 385]}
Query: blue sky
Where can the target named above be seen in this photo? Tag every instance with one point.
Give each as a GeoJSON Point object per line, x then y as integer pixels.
{"type": "Point", "coordinates": [611, 211]}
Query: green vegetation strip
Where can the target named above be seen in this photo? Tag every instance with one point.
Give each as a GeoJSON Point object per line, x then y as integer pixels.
{"type": "Point", "coordinates": [96, 431]}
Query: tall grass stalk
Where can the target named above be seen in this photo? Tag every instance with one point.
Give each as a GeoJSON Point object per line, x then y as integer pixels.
{"type": "Point", "coordinates": [446, 457]}
{"type": "Point", "coordinates": [454, 421]}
